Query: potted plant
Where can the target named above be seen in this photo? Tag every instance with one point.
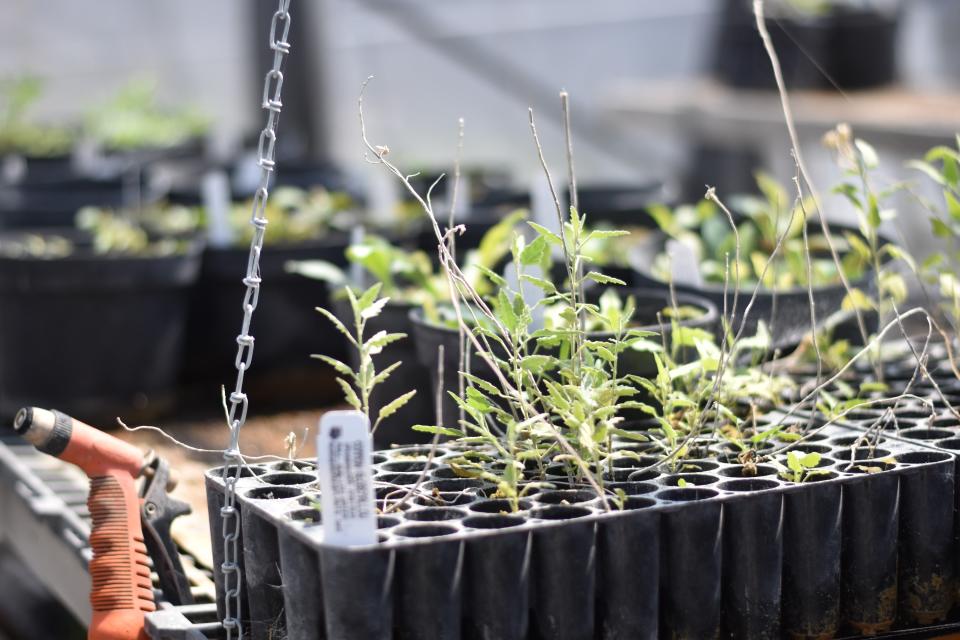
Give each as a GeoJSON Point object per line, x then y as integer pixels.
{"type": "Point", "coordinates": [39, 185]}
{"type": "Point", "coordinates": [409, 281]}
{"type": "Point", "coordinates": [304, 224]}
{"type": "Point", "coordinates": [132, 130]}
{"type": "Point", "coordinates": [759, 259]}
{"type": "Point", "coordinates": [93, 318]}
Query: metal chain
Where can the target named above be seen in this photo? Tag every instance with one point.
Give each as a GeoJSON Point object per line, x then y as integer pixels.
{"type": "Point", "coordinates": [272, 84]}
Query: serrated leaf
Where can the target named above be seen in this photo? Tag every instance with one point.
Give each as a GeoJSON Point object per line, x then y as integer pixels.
{"type": "Point", "coordinates": [380, 339]}
{"type": "Point", "coordinates": [534, 252]}
{"type": "Point", "coordinates": [505, 312]}
{"type": "Point", "coordinates": [444, 431]}
{"type": "Point", "coordinates": [545, 233]}
{"type": "Point", "coordinates": [383, 375]}
{"type": "Point", "coordinates": [395, 405]}
{"type": "Point", "coordinates": [536, 363]}
{"type": "Point", "coordinates": [602, 278]}
{"type": "Point", "coordinates": [340, 367]}
{"type": "Point", "coordinates": [369, 296]}
{"type": "Point", "coordinates": [349, 394]}
{"type": "Point", "coordinates": [374, 308]}
{"type": "Point", "coordinates": [599, 234]}
{"type": "Point", "coordinates": [339, 325]}
{"type": "Point", "coordinates": [545, 285]}
{"type": "Point", "coordinates": [494, 277]}
{"type": "Point", "coordinates": [482, 384]}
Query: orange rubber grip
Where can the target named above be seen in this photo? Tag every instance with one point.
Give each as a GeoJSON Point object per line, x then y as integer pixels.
{"type": "Point", "coordinates": [121, 592]}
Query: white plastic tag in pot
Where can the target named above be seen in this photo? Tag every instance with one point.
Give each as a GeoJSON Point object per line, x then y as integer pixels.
{"type": "Point", "coordinates": [684, 263]}
{"type": "Point", "coordinates": [215, 193]}
{"type": "Point", "coordinates": [345, 470]}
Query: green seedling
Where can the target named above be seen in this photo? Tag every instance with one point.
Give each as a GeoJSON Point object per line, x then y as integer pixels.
{"type": "Point", "coordinates": [801, 467]}
{"type": "Point", "coordinates": [359, 385]}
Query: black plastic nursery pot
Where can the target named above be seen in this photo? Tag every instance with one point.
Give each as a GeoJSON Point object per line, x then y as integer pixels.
{"type": "Point", "coordinates": [785, 312]}
{"type": "Point", "coordinates": [286, 326]}
{"type": "Point", "coordinates": [720, 554]}
{"type": "Point", "coordinates": [34, 205]}
{"type": "Point", "coordinates": [410, 375]}
{"type": "Point", "coordinates": [429, 336]}
{"type": "Point", "coordinates": [17, 169]}
{"type": "Point", "coordinates": [97, 336]}
{"type": "Point", "coordinates": [846, 48]}
{"type": "Point", "coordinates": [739, 59]}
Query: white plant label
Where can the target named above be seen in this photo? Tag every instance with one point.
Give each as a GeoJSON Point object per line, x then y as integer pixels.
{"type": "Point", "coordinates": [345, 470]}
{"type": "Point", "coordinates": [684, 263]}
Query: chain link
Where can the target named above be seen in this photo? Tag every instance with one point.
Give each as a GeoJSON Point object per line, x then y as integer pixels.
{"type": "Point", "coordinates": [272, 85]}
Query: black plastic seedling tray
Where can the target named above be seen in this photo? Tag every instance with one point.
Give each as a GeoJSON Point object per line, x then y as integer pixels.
{"type": "Point", "coordinates": [863, 549]}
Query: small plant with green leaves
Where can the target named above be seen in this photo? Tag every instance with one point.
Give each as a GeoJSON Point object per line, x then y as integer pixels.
{"type": "Point", "coordinates": [942, 165]}
{"type": "Point", "coordinates": [409, 276]}
{"type": "Point", "coordinates": [19, 133]}
{"type": "Point", "coordinates": [858, 160]}
{"type": "Point", "coordinates": [133, 119]}
{"type": "Point", "coordinates": [772, 248]}
{"type": "Point", "coordinates": [801, 467]}
{"type": "Point", "coordinates": [359, 385]}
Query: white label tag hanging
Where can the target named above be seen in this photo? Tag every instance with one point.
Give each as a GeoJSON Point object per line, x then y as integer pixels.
{"type": "Point", "coordinates": [345, 469]}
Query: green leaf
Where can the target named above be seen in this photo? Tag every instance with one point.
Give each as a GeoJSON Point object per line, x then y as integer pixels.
{"type": "Point", "coordinates": [444, 431]}
{"type": "Point", "coordinates": [545, 233]}
{"type": "Point", "coordinates": [536, 363]}
{"type": "Point", "coordinates": [339, 325]}
{"type": "Point", "coordinates": [496, 241]}
{"type": "Point", "coordinates": [317, 270]}
{"type": "Point", "coordinates": [545, 285]}
{"type": "Point", "coordinates": [940, 228]}
{"type": "Point", "coordinates": [600, 234]}
{"type": "Point", "coordinates": [810, 460]}
{"type": "Point", "coordinates": [505, 312]}
{"type": "Point", "coordinates": [481, 383]}
{"type": "Point", "coordinates": [380, 339]}
{"type": "Point", "coordinates": [495, 278]}
{"type": "Point", "coordinates": [349, 394]}
{"type": "Point", "coordinates": [394, 405]}
{"type": "Point", "coordinates": [601, 278]}
{"type": "Point", "coordinates": [867, 153]}
{"type": "Point", "coordinates": [856, 299]}
{"type": "Point", "coordinates": [953, 206]}
{"type": "Point", "coordinates": [383, 375]}
{"type": "Point", "coordinates": [534, 252]}
{"type": "Point", "coordinates": [929, 170]}
{"type": "Point", "coordinates": [369, 296]}
{"type": "Point", "coordinates": [374, 308]}
{"type": "Point", "coordinates": [793, 462]}
{"type": "Point", "coordinates": [333, 362]}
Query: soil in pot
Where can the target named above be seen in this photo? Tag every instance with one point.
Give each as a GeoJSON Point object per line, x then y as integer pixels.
{"type": "Point", "coordinates": [94, 335]}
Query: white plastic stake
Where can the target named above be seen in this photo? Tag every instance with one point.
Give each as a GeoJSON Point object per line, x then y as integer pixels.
{"type": "Point", "coordinates": [215, 192]}
{"type": "Point", "coordinates": [345, 470]}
